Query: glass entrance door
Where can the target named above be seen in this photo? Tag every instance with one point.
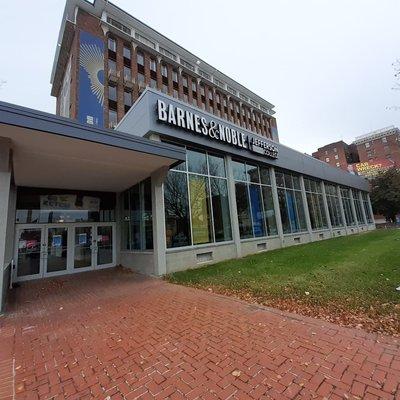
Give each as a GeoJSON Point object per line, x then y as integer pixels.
{"type": "Point", "coordinates": [56, 249]}
{"type": "Point", "coordinates": [83, 248]}
{"type": "Point", "coordinates": [29, 257]}
{"type": "Point", "coordinates": [105, 246]}
{"type": "Point", "coordinates": [56, 256]}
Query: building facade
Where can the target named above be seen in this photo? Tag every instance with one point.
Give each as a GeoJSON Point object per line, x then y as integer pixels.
{"type": "Point", "coordinates": [106, 57]}
{"type": "Point", "coordinates": [367, 156]}
{"type": "Point", "coordinates": [173, 186]}
{"type": "Point", "coordinates": [382, 145]}
{"type": "Point", "coordinates": [338, 154]}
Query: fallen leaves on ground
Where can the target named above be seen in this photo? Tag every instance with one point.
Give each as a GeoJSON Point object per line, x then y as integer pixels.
{"type": "Point", "coordinates": [371, 320]}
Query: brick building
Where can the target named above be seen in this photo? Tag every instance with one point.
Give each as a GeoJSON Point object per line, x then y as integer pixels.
{"type": "Point", "coordinates": [124, 56]}
{"type": "Point", "coordinates": [337, 154]}
{"type": "Point", "coordinates": [382, 144]}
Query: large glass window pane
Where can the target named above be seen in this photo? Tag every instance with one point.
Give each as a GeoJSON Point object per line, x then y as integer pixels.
{"type": "Point", "coordinates": [239, 171]}
{"type": "Point", "coordinates": [29, 252]}
{"type": "Point", "coordinates": [200, 209]}
{"type": "Point", "coordinates": [125, 242]}
{"type": "Point", "coordinates": [269, 211]}
{"type": "Point", "coordinates": [197, 162]}
{"type": "Point", "coordinates": [288, 181]}
{"type": "Point", "coordinates": [252, 173]}
{"type": "Point", "coordinates": [265, 176]}
{"type": "Point", "coordinates": [220, 207]}
{"type": "Point", "coordinates": [300, 211]}
{"type": "Point", "coordinates": [292, 212]}
{"type": "Point", "coordinates": [177, 221]}
{"type": "Point", "coordinates": [257, 210]}
{"type": "Point", "coordinates": [134, 198]}
{"type": "Point", "coordinates": [284, 211]}
{"type": "Point", "coordinates": [280, 180]}
{"type": "Point", "coordinates": [216, 165]}
{"type": "Point", "coordinates": [147, 215]}
{"type": "Point", "coordinates": [243, 210]}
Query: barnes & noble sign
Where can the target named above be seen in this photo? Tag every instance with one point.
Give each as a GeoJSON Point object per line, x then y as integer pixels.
{"type": "Point", "coordinates": [192, 122]}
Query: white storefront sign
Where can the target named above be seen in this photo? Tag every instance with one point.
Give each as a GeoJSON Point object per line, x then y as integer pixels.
{"type": "Point", "coordinates": [190, 121]}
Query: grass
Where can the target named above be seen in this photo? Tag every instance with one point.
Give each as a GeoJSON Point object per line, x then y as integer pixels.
{"type": "Point", "coordinates": [349, 279]}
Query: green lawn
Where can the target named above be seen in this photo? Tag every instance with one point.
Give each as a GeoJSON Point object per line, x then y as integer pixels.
{"type": "Point", "coordinates": [348, 279]}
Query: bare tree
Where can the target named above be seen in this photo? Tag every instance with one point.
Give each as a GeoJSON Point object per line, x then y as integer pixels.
{"type": "Point", "coordinates": [396, 67]}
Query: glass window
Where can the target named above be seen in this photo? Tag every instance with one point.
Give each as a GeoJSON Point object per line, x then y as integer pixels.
{"type": "Point", "coordinates": [348, 211]}
{"type": "Point", "coordinates": [37, 205]}
{"type": "Point", "coordinates": [220, 209]}
{"type": "Point", "coordinates": [252, 173]}
{"type": "Point", "coordinates": [140, 78]}
{"type": "Point", "coordinates": [207, 196]}
{"type": "Point", "coordinates": [127, 73]}
{"type": "Point", "coordinates": [333, 201]}
{"type": "Point", "coordinates": [153, 83]}
{"type": "Point", "coordinates": [127, 98]}
{"type": "Point", "coordinates": [137, 225]}
{"type": "Point", "coordinates": [127, 52]}
{"type": "Point", "coordinates": [153, 65]}
{"type": "Point", "coordinates": [243, 210]}
{"type": "Point", "coordinates": [315, 203]}
{"type": "Point", "coordinates": [112, 44]}
{"type": "Point", "coordinates": [140, 58]}
{"type": "Point", "coordinates": [269, 211]}
{"type": "Point", "coordinates": [175, 75]}
{"type": "Point", "coordinates": [177, 219]}
{"type": "Point", "coordinates": [112, 118]}
{"type": "Point", "coordinates": [265, 176]}
{"type": "Point", "coordinates": [290, 202]}
{"type": "Point", "coordinates": [357, 206]}
{"type": "Point", "coordinates": [367, 209]}
{"type": "Point", "coordinates": [112, 65]}
{"type": "Point", "coordinates": [197, 161]}
{"type": "Point", "coordinates": [164, 71]}
{"type": "Point", "coordinates": [239, 171]}
{"type": "Point", "coordinates": [112, 93]}
{"type": "Point", "coordinates": [216, 165]}
{"type": "Point", "coordinates": [200, 209]}
{"type": "Point", "coordinates": [257, 211]}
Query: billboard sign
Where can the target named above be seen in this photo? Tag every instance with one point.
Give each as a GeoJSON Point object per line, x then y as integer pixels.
{"type": "Point", "coordinates": [91, 79]}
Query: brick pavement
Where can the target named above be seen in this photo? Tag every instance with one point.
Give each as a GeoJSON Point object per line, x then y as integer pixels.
{"type": "Point", "coordinates": [116, 335]}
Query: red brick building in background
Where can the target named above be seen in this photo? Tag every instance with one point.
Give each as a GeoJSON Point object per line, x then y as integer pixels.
{"type": "Point", "coordinates": [382, 144]}
{"type": "Point", "coordinates": [125, 55]}
{"type": "Point", "coordinates": [368, 155]}
{"type": "Point", "coordinates": [337, 154]}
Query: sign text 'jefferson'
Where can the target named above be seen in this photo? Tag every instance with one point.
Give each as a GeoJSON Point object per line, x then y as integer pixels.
{"type": "Point", "coordinates": [193, 122]}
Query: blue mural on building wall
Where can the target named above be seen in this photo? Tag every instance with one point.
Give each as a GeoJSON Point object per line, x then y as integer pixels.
{"type": "Point", "coordinates": [91, 79]}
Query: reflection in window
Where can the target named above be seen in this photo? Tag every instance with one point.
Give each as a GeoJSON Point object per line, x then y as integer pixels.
{"type": "Point", "coordinates": [256, 213]}
{"type": "Point", "coordinates": [196, 201]}
{"type": "Point", "coordinates": [290, 202]}
{"type": "Point", "coordinates": [357, 206]}
{"type": "Point", "coordinates": [35, 205]}
{"type": "Point", "coordinates": [348, 211]}
{"type": "Point", "coordinates": [200, 210]}
{"type": "Point", "coordinates": [176, 203]}
{"type": "Point", "coordinates": [220, 208]}
{"type": "Point", "coordinates": [333, 201]}
{"type": "Point", "coordinates": [137, 223]}
{"type": "Point", "coordinates": [366, 207]}
{"type": "Point", "coordinates": [243, 210]}
{"type": "Point", "coordinates": [315, 203]}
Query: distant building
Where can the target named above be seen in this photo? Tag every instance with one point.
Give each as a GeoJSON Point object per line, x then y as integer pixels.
{"type": "Point", "coordinates": [380, 146]}
{"type": "Point", "coordinates": [337, 154]}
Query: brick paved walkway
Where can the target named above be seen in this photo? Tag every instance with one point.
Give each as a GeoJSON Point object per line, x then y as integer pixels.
{"type": "Point", "coordinates": [115, 335]}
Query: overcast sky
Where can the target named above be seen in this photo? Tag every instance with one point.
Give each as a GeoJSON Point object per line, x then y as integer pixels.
{"type": "Point", "coordinates": [325, 65]}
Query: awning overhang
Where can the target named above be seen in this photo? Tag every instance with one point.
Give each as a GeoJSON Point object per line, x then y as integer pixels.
{"type": "Point", "coordinates": [54, 152]}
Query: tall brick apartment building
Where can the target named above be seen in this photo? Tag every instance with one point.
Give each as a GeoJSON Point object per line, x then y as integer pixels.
{"type": "Point", "coordinates": [337, 154]}
{"type": "Point", "coordinates": [122, 56]}
{"type": "Point", "coordinates": [382, 144]}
